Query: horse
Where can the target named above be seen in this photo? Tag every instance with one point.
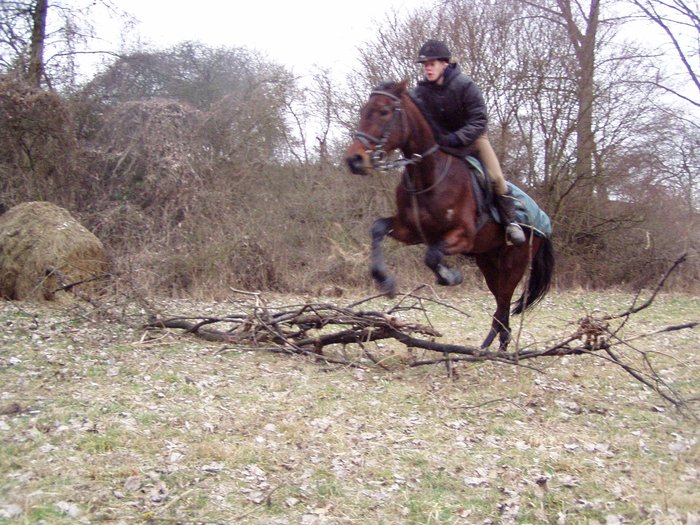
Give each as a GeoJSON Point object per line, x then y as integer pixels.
{"type": "Point", "coordinates": [437, 205]}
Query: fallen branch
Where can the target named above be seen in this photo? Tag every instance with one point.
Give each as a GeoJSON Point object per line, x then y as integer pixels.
{"type": "Point", "coordinates": [309, 329]}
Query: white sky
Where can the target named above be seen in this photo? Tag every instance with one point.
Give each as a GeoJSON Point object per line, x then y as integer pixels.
{"type": "Point", "coordinates": [293, 33]}
{"type": "Point", "coordinates": [298, 34]}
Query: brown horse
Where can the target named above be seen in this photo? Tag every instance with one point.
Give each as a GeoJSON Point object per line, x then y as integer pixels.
{"type": "Point", "coordinates": [436, 205]}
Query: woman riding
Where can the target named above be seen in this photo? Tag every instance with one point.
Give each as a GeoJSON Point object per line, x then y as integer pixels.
{"type": "Point", "coordinates": [455, 108]}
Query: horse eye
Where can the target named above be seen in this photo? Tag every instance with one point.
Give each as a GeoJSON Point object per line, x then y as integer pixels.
{"type": "Point", "coordinates": [385, 112]}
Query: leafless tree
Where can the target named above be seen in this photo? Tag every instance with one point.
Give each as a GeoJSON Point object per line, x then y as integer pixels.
{"type": "Point", "coordinates": [41, 41]}
{"type": "Point", "coordinates": [313, 112]}
{"type": "Point", "coordinates": [680, 22]}
{"type": "Point", "coordinates": [36, 47]}
{"type": "Point", "coordinates": [22, 35]}
{"type": "Point", "coordinates": [581, 22]}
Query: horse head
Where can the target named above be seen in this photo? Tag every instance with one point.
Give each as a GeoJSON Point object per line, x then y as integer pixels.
{"type": "Point", "coordinates": [383, 127]}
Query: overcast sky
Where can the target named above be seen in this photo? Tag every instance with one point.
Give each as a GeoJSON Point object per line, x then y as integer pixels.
{"type": "Point", "coordinates": [294, 33]}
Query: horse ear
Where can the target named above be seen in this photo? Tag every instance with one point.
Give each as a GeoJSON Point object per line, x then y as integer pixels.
{"type": "Point", "coordinates": [402, 86]}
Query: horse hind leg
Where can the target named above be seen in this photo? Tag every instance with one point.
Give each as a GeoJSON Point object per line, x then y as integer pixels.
{"type": "Point", "coordinates": [499, 285]}
{"type": "Point", "coordinates": [380, 229]}
{"type": "Point", "coordinates": [504, 339]}
{"type": "Point", "coordinates": [505, 283]}
{"type": "Point", "coordinates": [435, 260]}
{"type": "Point", "coordinates": [499, 327]}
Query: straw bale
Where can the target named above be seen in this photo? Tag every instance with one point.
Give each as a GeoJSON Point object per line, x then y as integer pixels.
{"type": "Point", "coordinates": [43, 248]}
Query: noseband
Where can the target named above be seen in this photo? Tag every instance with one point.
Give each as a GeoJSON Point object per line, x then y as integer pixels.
{"type": "Point", "coordinates": [378, 155]}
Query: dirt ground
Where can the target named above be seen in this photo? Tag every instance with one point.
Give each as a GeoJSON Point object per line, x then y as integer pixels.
{"type": "Point", "coordinates": [102, 421]}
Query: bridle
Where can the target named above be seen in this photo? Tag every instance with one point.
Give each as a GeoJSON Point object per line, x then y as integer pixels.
{"type": "Point", "coordinates": [374, 146]}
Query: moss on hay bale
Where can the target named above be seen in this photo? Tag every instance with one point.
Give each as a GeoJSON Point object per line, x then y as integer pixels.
{"type": "Point", "coordinates": [42, 248]}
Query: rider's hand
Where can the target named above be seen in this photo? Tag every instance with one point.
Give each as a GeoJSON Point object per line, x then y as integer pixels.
{"type": "Point", "coordinates": [450, 140]}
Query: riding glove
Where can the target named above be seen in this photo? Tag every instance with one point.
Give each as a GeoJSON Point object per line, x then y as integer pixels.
{"type": "Point", "coordinates": [450, 140]}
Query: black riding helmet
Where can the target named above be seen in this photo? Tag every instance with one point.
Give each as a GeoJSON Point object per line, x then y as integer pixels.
{"type": "Point", "coordinates": [433, 50]}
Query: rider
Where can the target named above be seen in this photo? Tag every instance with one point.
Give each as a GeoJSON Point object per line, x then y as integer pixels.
{"type": "Point", "coordinates": [454, 106]}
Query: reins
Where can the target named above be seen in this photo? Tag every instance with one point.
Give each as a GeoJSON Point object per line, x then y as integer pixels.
{"type": "Point", "coordinates": [416, 158]}
{"type": "Point", "coordinates": [409, 185]}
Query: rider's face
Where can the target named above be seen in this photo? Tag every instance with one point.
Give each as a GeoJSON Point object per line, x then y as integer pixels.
{"type": "Point", "coordinates": [433, 69]}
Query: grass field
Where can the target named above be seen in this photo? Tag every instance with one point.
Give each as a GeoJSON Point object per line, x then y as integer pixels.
{"type": "Point", "coordinates": [101, 422]}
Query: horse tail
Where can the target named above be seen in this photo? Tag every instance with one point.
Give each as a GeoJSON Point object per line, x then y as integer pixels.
{"type": "Point", "coordinates": [540, 279]}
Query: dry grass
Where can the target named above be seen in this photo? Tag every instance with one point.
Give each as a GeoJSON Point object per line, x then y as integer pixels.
{"type": "Point", "coordinates": [42, 248]}
{"type": "Point", "coordinates": [100, 423]}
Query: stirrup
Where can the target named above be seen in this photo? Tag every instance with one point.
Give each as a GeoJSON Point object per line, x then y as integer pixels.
{"type": "Point", "coordinates": [515, 234]}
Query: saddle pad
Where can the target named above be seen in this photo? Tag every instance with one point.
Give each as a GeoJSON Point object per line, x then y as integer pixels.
{"type": "Point", "coordinates": [529, 213]}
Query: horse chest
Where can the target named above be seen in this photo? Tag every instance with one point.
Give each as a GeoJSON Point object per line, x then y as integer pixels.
{"type": "Point", "coordinates": [434, 220]}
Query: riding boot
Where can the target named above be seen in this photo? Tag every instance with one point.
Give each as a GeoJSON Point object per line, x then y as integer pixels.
{"type": "Point", "coordinates": [506, 209]}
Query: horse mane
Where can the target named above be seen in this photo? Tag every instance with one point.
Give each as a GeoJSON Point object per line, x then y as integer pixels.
{"type": "Point", "coordinates": [399, 89]}
{"type": "Point", "coordinates": [393, 87]}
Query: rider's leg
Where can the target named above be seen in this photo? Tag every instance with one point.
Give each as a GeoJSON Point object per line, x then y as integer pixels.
{"type": "Point", "coordinates": [504, 201]}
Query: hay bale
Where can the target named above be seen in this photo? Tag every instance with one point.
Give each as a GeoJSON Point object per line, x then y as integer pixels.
{"type": "Point", "coordinates": [42, 248]}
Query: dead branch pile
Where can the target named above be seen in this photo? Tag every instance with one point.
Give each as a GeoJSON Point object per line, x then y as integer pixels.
{"type": "Point", "coordinates": [303, 329]}
{"type": "Point", "coordinates": [308, 329]}
{"type": "Point", "coordinates": [44, 251]}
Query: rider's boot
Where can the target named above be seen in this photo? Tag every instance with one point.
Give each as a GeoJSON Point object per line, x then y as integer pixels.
{"type": "Point", "coordinates": [506, 208]}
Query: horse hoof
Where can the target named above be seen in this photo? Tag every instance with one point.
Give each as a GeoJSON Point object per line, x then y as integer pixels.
{"type": "Point", "coordinates": [388, 286]}
{"type": "Point", "coordinates": [504, 342]}
{"type": "Point", "coordinates": [449, 277]}
{"type": "Point", "coordinates": [489, 339]}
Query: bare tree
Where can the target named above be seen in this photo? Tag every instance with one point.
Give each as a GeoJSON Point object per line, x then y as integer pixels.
{"type": "Point", "coordinates": [323, 93]}
{"type": "Point", "coordinates": [312, 111]}
{"type": "Point", "coordinates": [40, 42]}
{"type": "Point", "coordinates": [36, 53]}
{"type": "Point", "coordinates": [582, 23]}
{"type": "Point", "coordinates": [678, 18]}
{"type": "Point", "coordinates": [16, 27]}
{"type": "Point", "coordinates": [391, 54]}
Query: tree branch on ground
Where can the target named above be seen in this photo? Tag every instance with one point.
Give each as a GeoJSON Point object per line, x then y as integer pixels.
{"type": "Point", "coordinates": [310, 329]}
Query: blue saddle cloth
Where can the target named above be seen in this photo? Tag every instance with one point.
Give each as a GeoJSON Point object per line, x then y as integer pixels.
{"type": "Point", "coordinates": [527, 212]}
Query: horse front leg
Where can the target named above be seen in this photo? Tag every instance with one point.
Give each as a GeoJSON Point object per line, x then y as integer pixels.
{"type": "Point", "coordinates": [435, 260]}
{"type": "Point", "coordinates": [380, 229]}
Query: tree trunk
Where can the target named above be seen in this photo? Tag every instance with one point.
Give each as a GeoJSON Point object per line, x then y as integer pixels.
{"type": "Point", "coordinates": [36, 58]}
{"type": "Point", "coordinates": [584, 48]}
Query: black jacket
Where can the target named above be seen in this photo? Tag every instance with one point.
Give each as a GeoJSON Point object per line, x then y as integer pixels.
{"type": "Point", "coordinates": [455, 106]}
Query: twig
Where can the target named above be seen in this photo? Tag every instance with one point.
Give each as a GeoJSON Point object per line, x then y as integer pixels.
{"type": "Point", "coordinates": [634, 309]}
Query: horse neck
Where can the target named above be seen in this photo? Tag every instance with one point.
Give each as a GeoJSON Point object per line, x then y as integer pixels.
{"type": "Point", "coordinates": [420, 140]}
